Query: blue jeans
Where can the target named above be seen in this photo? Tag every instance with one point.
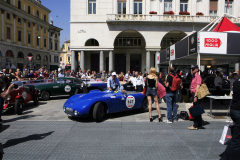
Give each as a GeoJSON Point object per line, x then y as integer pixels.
{"type": "Point", "coordinates": [179, 95]}
{"type": "Point", "coordinates": [171, 106]}
{"type": "Point", "coordinates": [233, 149]}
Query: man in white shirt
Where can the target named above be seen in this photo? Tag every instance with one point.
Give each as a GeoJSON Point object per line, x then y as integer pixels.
{"type": "Point", "coordinates": [127, 75]}
{"type": "Point", "coordinates": [139, 83]}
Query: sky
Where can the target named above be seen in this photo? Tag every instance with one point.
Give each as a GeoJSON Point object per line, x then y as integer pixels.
{"type": "Point", "coordinates": [60, 15]}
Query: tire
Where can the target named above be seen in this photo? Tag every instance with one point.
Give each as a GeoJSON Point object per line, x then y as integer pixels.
{"type": "Point", "coordinates": [45, 95]}
{"type": "Point", "coordinates": [99, 112]}
{"type": "Point", "coordinates": [144, 107]}
{"type": "Point", "coordinates": [35, 99]}
{"type": "Point", "coordinates": [18, 108]}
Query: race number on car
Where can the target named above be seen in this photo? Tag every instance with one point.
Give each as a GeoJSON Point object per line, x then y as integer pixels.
{"type": "Point", "coordinates": [67, 88]}
{"type": "Point", "coordinates": [130, 101]}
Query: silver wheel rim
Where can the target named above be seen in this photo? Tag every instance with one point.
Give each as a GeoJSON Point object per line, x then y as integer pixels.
{"type": "Point", "coordinates": [46, 95]}
{"type": "Point", "coordinates": [20, 106]}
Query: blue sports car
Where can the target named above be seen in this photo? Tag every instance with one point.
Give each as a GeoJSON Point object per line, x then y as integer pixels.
{"type": "Point", "coordinates": [98, 104]}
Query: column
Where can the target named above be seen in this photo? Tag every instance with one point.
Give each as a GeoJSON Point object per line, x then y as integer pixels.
{"type": "Point", "coordinates": [41, 37]}
{"type": "Point", "coordinates": [33, 34]}
{"type": "Point", "coordinates": [178, 6]}
{"type": "Point", "coordinates": [221, 4]}
{"type": "Point", "coordinates": [14, 28]}
{"type": "Point", "coordinates": [110, 60]}
{"type": "Point", "coordinates": [115, 4]}
{"type": "Point", "coordinates": [58, 48]}
{"type": "Point", "coordinates": [207, 7]}
{"type": "Point", "coordinates": [148, 61]}
{"type": "Point", "coordinates": [73, 64]}
{"type": "Point", "coordinates": [128, 59]}
{"type": "Point", "coordinates": [53, 42]}
{"type": "Point", "coordinates": [48, 42]}
{"type": "Point", "coordinates": [24, 32]}
{"type": "Point", "coordinates": [82, 60]}
{"type": "Point", "coordinates": [101, 61]}
{"type": "Point", "coordinates": [236, 66]}
{"type": "Point", "coordinates": [2, 13]}
{"type": "Point", "coordinates": [174, 7]}
{"type": "Point", "coordinates": [198, 60]}
{"type": "Point", "coordinates": [156, 65]}
{"type": "Point", "coordinates": [131, 6]}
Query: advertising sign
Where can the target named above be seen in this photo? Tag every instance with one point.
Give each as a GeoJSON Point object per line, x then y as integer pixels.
{"type": "Point", "coordinates": [213, 42]}
{"type": "Point", "coordinates": [168, 54]}
{"type": "Point", "coordinates": [158, 58]}
{"type": "Point", "coordinates": [172, 52]}
{"type": "Point", "coordinates": [192, 43]}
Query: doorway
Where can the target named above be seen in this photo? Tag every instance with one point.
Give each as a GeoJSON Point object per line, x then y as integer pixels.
{"type": "Point", "coordinates": [95, 62]}
{"type": "Point", "coordinates": [135, 62]}
{"type": "Point", "coordinates": [120, 63]}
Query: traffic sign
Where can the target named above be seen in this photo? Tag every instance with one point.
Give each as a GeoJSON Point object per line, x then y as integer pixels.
{"type": "Point", "coordinates": [30, 58]}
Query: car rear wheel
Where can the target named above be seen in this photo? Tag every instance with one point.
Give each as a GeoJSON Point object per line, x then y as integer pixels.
{"type": "Point", "coordinates": [45, 95]}
{"type": "Point", "coordinates": [144, 107]}
{"type": "Point", "coordinates": [18, 106]}
{"type": "Point", "coordinates": [35, 99]}
{"type": "Point", "coordinates": [98, 112]}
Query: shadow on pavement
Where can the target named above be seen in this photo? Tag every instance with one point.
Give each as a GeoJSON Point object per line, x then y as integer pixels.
{"type": "Point", "coordinates": [17, 141]}
{"type": "Point", "coordinates": [3, 127]}
{"type": "Point", "coordinates": [19, 118]}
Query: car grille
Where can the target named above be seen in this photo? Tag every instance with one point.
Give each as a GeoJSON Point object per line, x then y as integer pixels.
{"type": "Point", "coordinates": [69, 111]}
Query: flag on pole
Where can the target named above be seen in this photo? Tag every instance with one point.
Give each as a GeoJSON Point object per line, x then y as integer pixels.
{"type": "Point", "coordinates": [228, 4]}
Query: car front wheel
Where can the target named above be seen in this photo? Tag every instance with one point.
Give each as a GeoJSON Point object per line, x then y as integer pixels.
{"type": "Point", "coordinates": [98, 112]}
{"type": "Point", "coordinates": [18, 106]}
{"type": "Point", "coordinates": [45, 95]}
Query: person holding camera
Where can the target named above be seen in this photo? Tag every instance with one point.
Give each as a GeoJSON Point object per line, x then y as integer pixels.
{"type": "Point", "coordinates": [3, 95]}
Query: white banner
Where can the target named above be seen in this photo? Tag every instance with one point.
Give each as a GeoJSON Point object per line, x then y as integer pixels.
{"type": "Point", "coordinates": [213, 42]}
{"type": "Point", "coordinates": [158, 58]}
{"type": "Point", "coordinates": [172, 52]}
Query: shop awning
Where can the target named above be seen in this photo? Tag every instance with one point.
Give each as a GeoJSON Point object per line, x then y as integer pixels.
{"type": "Point", "coordinates": [53, 67]}
{"type": "Point", "coordinates": [225, 25]}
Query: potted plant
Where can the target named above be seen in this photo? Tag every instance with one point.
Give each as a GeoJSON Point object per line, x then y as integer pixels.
{"type": "Point", "coordinates": [184, 13]}
{"type": "Point", "coordinates": [199, 14]}
{"type": "Point", "coordinates": [169, 13]}
{"type": "Point", "coordinates": [152, 12]}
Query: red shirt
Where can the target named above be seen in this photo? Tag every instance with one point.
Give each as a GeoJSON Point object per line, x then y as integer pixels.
{"type": "Point", "coordinates": [35, 75]}
{"type": "Point", "coordinates": [46, 75]}
{"type": "Point", "coordinates": [197, 80]}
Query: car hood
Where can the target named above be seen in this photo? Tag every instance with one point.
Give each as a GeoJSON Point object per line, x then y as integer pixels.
{"type": "Point", "coordinates": [40, 86]}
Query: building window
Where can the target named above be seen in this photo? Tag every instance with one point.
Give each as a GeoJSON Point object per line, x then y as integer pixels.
{"type": "Point", "coordinates": [20, 36]}
{"type": "Point", "coordinates": [29, 10]}
{"type": "Point", "coordinates": [45, 43]}
{"type": "Point", "coordinates": [213, 8]}
{"type": "Point", "coordinates": [29, 38]}
{"type": "Point", "coordinates": [50, 59]}
{"type": "Point", "coordinates": [137, 7]}
{"type": "Point", "coordinates": [60, 59]}
{"type": "Point", "coordinates": [19, 20]}
{"type": "Point", "coordinates": [69, 59]}
{"type": "Point", "coordinates": [8, 33]}
{"type": "Point", "coordinates": [37, 14]}
{"type": "Point", "coordinates": [8, 16]}
{"type": "Point", "coordinates": [56, 46]}
{"type": "Point", "coordinates": [19, 4]}
{"type": "Point", "coordinates": [230, 10]}
{"type": "Point", "coordinates": [183, 6]}
{"type": "Point", "coordinates": [37, 41]}
{"type": "Point", "coordinates": [45, 18]}
{"type": "Point", "coordinates": [50, 45]}
{"type": "Point", "coordinates": [55, 59]}
{"type": "Point", "coordinates": [121, 7]}
{"type": "Point", "coordinates": [29, 24]}
{"type": "Point", "coordinates": [128, 41]}
{"type": "Point", "coordinates": [37, 27]}
{"type": "Point", "coordinates": [38, 57]}
{"type": "Point", "coordinates": [167, 5]}
{"type": "Point", "coordinates": [45, 31]}
{"type": "Point", "coordinates": [68, 48]}
{"type": "Point", "coordinates": [55, 35]}
{"type": "Point", "coordinates": [8, 1]}
{"type": "Point", "coordinates": [92, 7]}
{"type": "Point", "coordinates": [92, 42]}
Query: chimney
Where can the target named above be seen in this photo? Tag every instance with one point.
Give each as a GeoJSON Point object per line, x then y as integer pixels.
{"type": "Point", "coordinates": [38, 1]}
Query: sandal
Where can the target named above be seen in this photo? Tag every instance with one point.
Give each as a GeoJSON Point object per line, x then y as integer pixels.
{"type": "Point", "coordinates": [151, 119]}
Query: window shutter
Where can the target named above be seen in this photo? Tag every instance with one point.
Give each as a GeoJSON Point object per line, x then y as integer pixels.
{"type": "Point", "coordinates": [213, 5]}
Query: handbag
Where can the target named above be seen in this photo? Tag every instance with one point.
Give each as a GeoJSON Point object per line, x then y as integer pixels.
{"type": "Point", "coordinates": [190, 116]}
{"type": "Point", "coordinates": [226, 135]}
{"type": "Point", "coordinates": [196, 110]}
{"type": "Point", "coordinates": [203, 91]}
{"type": "Point", "coordinates": [184, 115]}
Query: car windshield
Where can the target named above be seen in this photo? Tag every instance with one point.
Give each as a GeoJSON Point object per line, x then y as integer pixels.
{"type": "Point", "coordinates": [61, 81]}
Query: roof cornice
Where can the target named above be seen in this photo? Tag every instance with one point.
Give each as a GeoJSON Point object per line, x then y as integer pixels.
{"type": "Point", "coordinates": [39, 5]}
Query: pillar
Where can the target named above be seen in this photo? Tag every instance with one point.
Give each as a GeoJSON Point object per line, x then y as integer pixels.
{"type": "Point", "coordinates": [73, 62]}
{"type": "Point", "coordinates": [198, 60]}
{"type": "Point", "coordinates": [128, 62]}
{"type": "Point", "coordinates": [24, 32]}
{"type": "Point", "coordinates": [115, 3]}
{"type": "Point", "coordinates": [236, 66]}
{"type": "Point", "coordinates": [2, 13]}
{"type": "Point", "coordinates": [82, 60]}
{"type": "Point", "coordinates": [53, 41]}
{"type": "Point", "coordinates": [41, 39]}
{"type": "Point", "coordinates": [177, 7]}
{"type": "Point", "coordinates": [148, 61]}
{"type": "Point", "coordinates": [110, 60]}
{"type": "Point", "coordinates": [14, 28]}
{"type": "Point", "coordinates": [156, 65]}
{"type": "Point", "coordinates": [101, 61]}
{"type": "Point", "coordinates": [33, 35]}
{"type": "Point", "coordinates": [131, 6]}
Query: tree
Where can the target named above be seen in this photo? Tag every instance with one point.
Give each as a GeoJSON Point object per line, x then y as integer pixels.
{"type": "Point", "coordinates": [63, 47]}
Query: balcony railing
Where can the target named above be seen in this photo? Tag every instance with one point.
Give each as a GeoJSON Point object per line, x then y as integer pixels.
{"type": "Point", "coordinates": [163, 18]}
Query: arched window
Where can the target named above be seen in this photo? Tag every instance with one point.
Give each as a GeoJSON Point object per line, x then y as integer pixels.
{"type": "Point", "coordinates": [19, 4]}
{"type": "Point", "coordinates": [37, 14]}
{"type": "Point", "coordinates": [29, 10]}
{"type": "Point", "coordinates": [30, 54]}
{"type": "Point", "coordinates": [38, 57]}
{"type": "Point", "coordinates": [9, 53]}
{"type": "Point", "coordinates": [45, 58]}
{"type": "Point", "coordinates": [20, 55]}
{"type": "Point", "coordinates": [92, 42]}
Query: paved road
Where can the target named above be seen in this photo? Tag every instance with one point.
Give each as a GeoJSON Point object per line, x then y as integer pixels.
{"type": "Point", "coordinates": [45, 132]}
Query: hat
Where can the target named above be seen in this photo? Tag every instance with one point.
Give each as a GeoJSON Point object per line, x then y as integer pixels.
{"type": "Point", "coordinates": [114, 74]}
{"type": "Point", "coordinates": [194, 67]}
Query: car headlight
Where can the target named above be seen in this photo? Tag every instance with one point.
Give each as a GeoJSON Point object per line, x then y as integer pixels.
{"type": "Point", "coordinates": [64, 109]}
{"type": "Point", "coordinates": [75, 112]}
